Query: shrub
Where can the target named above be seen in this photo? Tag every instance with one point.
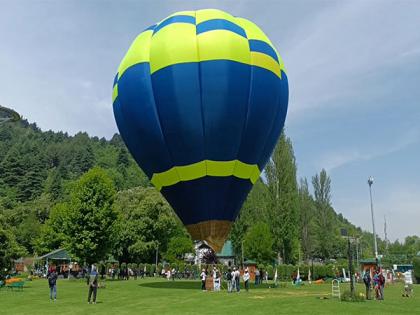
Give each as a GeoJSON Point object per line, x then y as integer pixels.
{"type": "Point", "coordinates": [358, 297]}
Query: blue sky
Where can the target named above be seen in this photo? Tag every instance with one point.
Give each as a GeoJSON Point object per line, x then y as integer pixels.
{"type": "Point", "coordinates": [353, 68]}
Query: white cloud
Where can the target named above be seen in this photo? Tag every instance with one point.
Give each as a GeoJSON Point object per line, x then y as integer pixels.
{"type": "Point", "coordinates": [338, 158]}
{"type": "Point", "coordinates": [400, 205]}
{"type": "Point", "coordinates": [334, 51]}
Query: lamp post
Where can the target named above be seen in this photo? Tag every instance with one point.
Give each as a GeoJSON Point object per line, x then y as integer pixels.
{"type": "Point", "coordinates": [157, 255]}
{"type": "Point", "coordinates": [375, 244]}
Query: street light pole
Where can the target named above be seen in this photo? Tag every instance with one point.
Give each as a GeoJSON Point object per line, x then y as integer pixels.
{"type": "Point", "coordinates": [370, 182]}
{"type": "Point", "coordinates": [157, 253]}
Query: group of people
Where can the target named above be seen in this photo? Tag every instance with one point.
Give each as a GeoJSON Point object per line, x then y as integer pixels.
{"type": "Point", "coordinates": [233, 278]}
{"type": "Point", "coordinates": [377, 282]}
{"type": "Point", "coordinates": [92, 282]}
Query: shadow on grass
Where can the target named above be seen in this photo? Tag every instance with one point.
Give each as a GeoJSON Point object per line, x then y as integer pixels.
{"type": "Point", "coordinates": [187, 285]}
{"type": "Point", "coordinates": [183, 285]}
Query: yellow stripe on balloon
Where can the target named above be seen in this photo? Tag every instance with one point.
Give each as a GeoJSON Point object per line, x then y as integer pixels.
{"type": "Point", "coordinates": [115, 93]}
{"type": "Point", "coordinates": [192, 171]}
{"type": "Point", "coordinates": [206, 168]}
{"type": "Point", "coordinates": [138, 52]}
{"type": "Point", "coordinates": [254, 32]}
{"type": "Point", "coordinates": [173, 44]}
{"type": "Point", "coordinates": [223, 45]}
{"type": "Point", "coordinates": [220, 168]}
{"type": "Point", "coordinates": [265, 61]}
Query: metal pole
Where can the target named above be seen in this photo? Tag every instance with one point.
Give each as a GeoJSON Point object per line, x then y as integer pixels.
{"type": "Point", "coordinates": [370, 182]}
{"type": "Point", "coordinates": [350, 268]}
{"type": "Point", "coordinates": [357, 254]}
{"type": "Point", "coordinates": [156, 261]}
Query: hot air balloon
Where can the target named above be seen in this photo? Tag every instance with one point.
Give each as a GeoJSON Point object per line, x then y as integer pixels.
{"type": "Point", "coordinates": [200, 100]}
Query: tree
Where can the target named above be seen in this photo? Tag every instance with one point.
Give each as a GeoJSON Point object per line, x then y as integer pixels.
{"type": "Point", "coordinates": [282, 186]}
{"type": "Point", "coordinates": [145, 222]}
{"type": "Point", "coordinates": [324, 214]}
{"type": "Point", "coordinates": [9, 249]}
{"type": "Point", "coordinates": [51, 235]}
{"type": "Point", "coordinates": [178, 246]}
{"type": "Point", "coordinates": [254, 210]}
{"type": "Point", "coordinates": [258, 243]}
{"type": "Point", "coordinates": [307, 215]}
{"type": "Point", "coordinates": [90, 217]}
{"type": "Point", "coordinates": [53, 184]}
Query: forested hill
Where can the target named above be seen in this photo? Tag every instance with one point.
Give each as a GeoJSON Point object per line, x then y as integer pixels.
{"type": "Point", "coordinates": [33, 162]}
{"type": "Point", "coordinates": [38, 170]}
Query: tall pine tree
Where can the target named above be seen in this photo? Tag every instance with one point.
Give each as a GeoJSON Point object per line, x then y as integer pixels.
{"type": "Point", "coordinates": [307, 218]}
{"type": "Point", "coordinates": [324, 214]}
{"type": "Point", "coordinates": [283, 211]}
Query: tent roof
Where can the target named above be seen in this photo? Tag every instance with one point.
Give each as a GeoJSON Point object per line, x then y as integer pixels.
{"type": "Point", "coordinates": [58, 254]}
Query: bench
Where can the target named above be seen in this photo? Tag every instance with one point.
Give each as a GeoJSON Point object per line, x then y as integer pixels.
{"type": "Point", "coordinates": [16, 285]}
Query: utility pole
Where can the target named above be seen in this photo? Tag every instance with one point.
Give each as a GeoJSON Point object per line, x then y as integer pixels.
{"type": "Point", "coordinates": [351, 267]}
{"type": "Point", "coordinates": [157, 254]}
{"type": "Point", "coordinates": [386, 236]}
{"type": "Point", "coordinates": [375, 244]}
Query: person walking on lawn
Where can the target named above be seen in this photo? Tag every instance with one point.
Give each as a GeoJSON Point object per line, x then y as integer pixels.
{"type": "Point", "coordinates": [93, 284]}
{"type": "Point", "coordinates": [367, 280]}
{"type": "Point", "coordinates": [52, 283]}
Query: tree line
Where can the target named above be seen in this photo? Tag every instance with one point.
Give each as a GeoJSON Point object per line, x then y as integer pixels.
{"type": "Point", "coordinates": [88, 195]}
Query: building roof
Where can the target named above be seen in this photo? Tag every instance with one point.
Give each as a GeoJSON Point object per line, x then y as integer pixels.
{"type": "Point", "coordinates": [368, 261]}
{"type": "Point", "coordinates": [58, 254]}
{"type": "Point", "coordinates": [227, 250]}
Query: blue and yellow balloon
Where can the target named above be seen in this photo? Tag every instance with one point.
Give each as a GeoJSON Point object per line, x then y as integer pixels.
{"type": "Point", "coordinates": [200, 100]}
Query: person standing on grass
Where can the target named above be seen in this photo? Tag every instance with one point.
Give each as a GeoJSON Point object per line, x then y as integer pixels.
{"type": "Point", "coordinates": [93, 284]}
{"type": "Point", "coordinates": [229, 280]}
{"type": "Point", "coordinates": [233, 279]}
{"type": "Point", "coordinates": [408, 284]}
{"type": "Point", "coordinates": [381, 283]}
{"type": "Point", "coordinates": [367, 280]}
{"type": "Point", "coordinates": [52, 283]}
{"type": "Point", "coordinates": [237, 280]}
{"type": "Point", "coordinates": [376, 285]}
{"type": "Point", "coordinates": [257, 276]}
{"type": "Point", "coordinates": [203, 280]}
{"type": "Point", "coordinates": [246, 277]}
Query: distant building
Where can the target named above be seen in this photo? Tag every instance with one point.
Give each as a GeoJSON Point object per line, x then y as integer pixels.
{"type": "Point", "coordinates": [368, 264]}
{"type": "Point", "coordinates": [226, 256]}
{"type": "Point", "coordinates": [61, 260]}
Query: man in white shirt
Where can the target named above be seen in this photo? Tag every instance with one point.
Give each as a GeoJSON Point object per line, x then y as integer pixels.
{"type": "Point", "coordinates": [233, 279]}
{"type": "Point", "coordinates": [246, 277]}
{"type": "Point", "coordinates": [408, 283]}
{"type": "Point", "coordinates": [203, 280]}
{"type": "Point", "coordinates": [216, 280]}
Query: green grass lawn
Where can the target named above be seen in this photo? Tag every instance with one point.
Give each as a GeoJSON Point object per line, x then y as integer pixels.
{"type": "Point", "coordinates": [157, 296]}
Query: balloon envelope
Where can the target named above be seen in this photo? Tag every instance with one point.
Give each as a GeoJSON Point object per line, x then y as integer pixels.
{"type": "Point", "coordinates": [200, 100]}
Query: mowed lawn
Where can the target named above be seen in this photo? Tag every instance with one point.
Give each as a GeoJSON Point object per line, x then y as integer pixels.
{"type": "Point", "coordinates": [158, 296]}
